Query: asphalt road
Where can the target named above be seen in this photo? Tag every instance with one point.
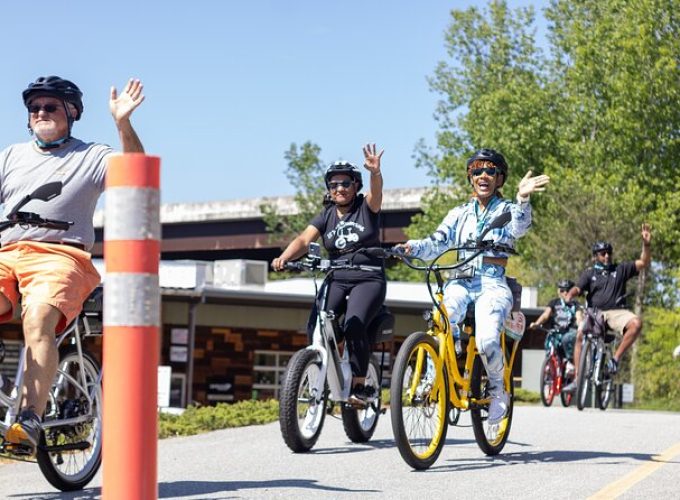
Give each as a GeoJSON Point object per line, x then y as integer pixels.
{"type": "Point", "coordinates": [552, 453]}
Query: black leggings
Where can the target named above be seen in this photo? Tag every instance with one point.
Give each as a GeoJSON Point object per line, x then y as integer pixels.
{"type": "Point", "coordinates": [364, 299]}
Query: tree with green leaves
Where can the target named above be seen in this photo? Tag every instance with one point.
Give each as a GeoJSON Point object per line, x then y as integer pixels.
{"type": "Point", "coordinates": [598, 113]}
{"type": "Point", "coordinates": [598, 116]}
{"type": "Point", "coordinates": [305, 173]}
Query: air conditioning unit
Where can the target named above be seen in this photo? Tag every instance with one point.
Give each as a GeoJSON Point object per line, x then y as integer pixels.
{"type": "Point", "coordinates": [185, 273]}
{"type": "Point", "coordinates": [239, 272]}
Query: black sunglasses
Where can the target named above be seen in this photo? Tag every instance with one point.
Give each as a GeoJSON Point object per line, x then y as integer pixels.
{"type": "Point", "coordinates": [476, 172]}
{"type": "Point", "coordinates": [333, 186]}
{"type": "Point", "coordinates": [48, 108]}
{"type": "Point", "coordinates": [604, 252]}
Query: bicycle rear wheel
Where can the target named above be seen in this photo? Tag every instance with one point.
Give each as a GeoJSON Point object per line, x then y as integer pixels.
{"type": "Point", "coordinates": [418, 401]}
{"type": "Point", "coordinates": [585, 372]}
{"type": "Point", "coordinates": [360, 423]}
{"type": "Point", "coordinates": [490, 438]}
{"type": "Point", "coordinates": [69, 456]}
{"type": "Point", "coordinates": [302, 409]}
{"type": "Point", "coordinates": [548, 380]}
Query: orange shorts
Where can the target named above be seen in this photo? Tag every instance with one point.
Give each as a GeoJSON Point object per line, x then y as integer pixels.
{"type": "Point", "coordinates": [46, 273]}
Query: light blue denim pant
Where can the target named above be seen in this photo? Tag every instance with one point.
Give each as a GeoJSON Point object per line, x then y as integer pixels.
{"type": "Point", "coordinates": [493, 302]}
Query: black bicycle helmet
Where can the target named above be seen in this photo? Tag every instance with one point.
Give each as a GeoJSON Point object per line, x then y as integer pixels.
{"type": "Point", "coordinates": [489, 155]}
{"type": "Point", "coordinates": [346, 168]}
{"type": "Point", "coordinates": [565, 284]}
{"type": "Point", "coordinates": [599, 246]}
{"type": "Point", "coordinates": [55, 87]}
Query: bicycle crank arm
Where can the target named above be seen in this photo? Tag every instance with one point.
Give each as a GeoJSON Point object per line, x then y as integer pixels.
{"type": "Point", "coordinates": [82, 446]}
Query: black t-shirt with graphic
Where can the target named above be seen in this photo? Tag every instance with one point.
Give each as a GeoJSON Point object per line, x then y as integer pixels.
{"type": "Point", "coordinates": [563, 314]}
{"type": "Point", "coordinates": [343, 236]}
{"type": "Point", "coordinates": [605, 286]}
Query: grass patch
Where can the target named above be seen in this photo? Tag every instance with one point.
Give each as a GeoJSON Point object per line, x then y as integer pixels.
{"type": "Point", "coordinates": [525, 396]}
{"type": "Point", "coordinates": [658, 404]}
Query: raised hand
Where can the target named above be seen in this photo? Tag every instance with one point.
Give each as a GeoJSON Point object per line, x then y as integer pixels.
{"type": "Point", "coordinates": [371, 159]}
{"type": "Point", "coordinates": [531, 184]}
{"type": "Point", "coordinates": [646, 234]}
{"type": "Point", "coordinates": [123, 105]}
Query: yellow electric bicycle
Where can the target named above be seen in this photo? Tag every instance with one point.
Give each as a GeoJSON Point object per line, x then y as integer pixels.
{"type": "Point", "coordinates": [431, 385]}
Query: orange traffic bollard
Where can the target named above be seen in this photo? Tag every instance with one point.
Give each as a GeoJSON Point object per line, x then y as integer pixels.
{"type": "Point", "coordinates": [131, 327]}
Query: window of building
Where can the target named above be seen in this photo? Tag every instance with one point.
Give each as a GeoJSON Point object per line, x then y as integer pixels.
{"type": "Point", "coordinates": [268, 370]}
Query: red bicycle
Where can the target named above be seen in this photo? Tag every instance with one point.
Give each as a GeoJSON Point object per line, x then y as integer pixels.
{"type": "Point", "coordinates": [555, 372]}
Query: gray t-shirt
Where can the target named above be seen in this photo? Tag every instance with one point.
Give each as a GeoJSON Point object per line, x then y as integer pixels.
{"type": "Point", "coordinates": [81, 167]}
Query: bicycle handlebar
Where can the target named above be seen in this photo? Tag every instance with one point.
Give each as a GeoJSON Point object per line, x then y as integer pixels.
{"type": "Point", "coordinates": [33, 219]}
{"type": "Point", "coordinates": [327, 265]}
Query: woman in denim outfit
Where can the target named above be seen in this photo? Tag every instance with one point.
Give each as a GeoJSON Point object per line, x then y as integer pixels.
{"type": "Point", "coordinates": [486, 173]}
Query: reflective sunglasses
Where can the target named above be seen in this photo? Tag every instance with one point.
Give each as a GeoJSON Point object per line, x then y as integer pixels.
{"type": "Point", "coordinates": [48, 108]}
{"type": "Point", "coordinates": [476, 172]}
{"type": "Point", "coordinates": [333, 186]}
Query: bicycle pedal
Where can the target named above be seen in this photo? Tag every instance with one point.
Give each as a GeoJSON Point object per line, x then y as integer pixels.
{"type": "Point", "coordinates": [357, 404]}
{"type": "Point", "coordinates": [18, 450]}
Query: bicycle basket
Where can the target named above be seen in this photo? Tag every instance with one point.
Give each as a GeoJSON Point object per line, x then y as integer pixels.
{"type": "Point", "coordinates": [514, 325]}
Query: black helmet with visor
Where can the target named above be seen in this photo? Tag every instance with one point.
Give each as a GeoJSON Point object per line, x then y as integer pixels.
{"type": "Point", "coordinates": [601, 246]}
{"type": "Point", "coordinates": [54, 86]}
{"type": "Point", "coordinates": [565, 285]}
{"type": "Point", "coordinates": [344, 168]}
{"type": "Point", "coordinates": [490, 155]}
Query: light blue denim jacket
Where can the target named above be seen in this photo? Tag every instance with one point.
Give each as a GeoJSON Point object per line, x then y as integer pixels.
{"type": "Point", "coordinates": [464, 223]}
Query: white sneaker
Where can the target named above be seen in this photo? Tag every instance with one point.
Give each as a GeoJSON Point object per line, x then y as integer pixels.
{"type": "Point", "coordinates": [498, 407]}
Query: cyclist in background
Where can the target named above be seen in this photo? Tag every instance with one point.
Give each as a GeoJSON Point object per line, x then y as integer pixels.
{"type": "Point", "coordinates": [349, 222]}
{"type": "Point", "coordinates": [564, 317]}
{"type": "Point", "coordinates": [487, 171]}
{"type": "Point", "coordinates": [605, 287]}
{"type": "Point", "coordinates": [51, 269]}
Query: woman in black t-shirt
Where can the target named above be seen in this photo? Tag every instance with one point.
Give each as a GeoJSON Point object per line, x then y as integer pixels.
{"type": "Point", "coordinates": [350, 221]}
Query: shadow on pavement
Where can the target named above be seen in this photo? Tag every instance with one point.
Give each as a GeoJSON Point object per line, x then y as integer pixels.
{"type": "Point", "coordinates": [191, 488]}
{"type": "Point", "coordinates": [196, 488]}
{"type": "Point", "coordinates": [376, 444]}
{"type": "Point", "coordinates": [534, 457]}
{"type": "Point", "coordinates": [86, 494]}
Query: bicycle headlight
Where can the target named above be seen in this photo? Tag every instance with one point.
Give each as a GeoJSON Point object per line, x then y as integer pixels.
{"type": "Point", "coordinates": [429, 318]}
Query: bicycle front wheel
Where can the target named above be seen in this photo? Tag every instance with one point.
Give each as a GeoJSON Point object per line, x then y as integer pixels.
{"type": "Point", "coordinates": [419, 394]}
{"type": "Point", "coordinates": [69, 456]}
{"type": "Point", "coordinates": [585, 372]}
{"type": "Point", "coordinates": [567, 378]}
{"type": "Point", "coordinates": [548, 380]}
{"type": "Point", "coordinates": [490, 438]}
{"type": "Point", "coordinates": [302, 407]}
{"type": "Point", "coordinates": [360, 423]}
{"type": "Point", "coordinates": [605, 383]}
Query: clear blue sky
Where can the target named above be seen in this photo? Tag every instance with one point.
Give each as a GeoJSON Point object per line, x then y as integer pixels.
{"type": "Point", "coordinates": [230, 85]}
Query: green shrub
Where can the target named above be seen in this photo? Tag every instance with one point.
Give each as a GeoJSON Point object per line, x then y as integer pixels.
{"type": "Point", "coordinates": [196, 420]}
{"type": "Point", "coordinates": [656, 372]}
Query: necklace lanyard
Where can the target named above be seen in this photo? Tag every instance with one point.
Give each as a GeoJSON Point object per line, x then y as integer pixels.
{"type": "Point", "coordinates": [485, 213]}
{"type": "Point", "coordinates": [571, 309]}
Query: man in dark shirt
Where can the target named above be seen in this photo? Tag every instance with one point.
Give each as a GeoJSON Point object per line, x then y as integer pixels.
{"type": "Point", "coordinates": [605, 288]}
